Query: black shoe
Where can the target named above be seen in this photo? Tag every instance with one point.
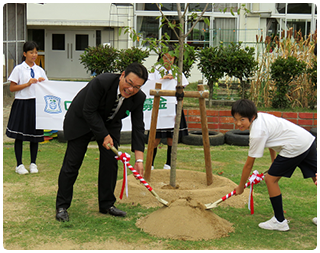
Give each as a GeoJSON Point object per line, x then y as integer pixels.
{"type": "Point", "coordinates": [62, 214]}
{"type": "Point", "coordinates": [113, 211]}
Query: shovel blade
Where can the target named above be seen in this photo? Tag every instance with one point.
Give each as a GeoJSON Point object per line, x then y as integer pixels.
{"type": "Point", "coordinates": [162, 201]}
{"type": "Point", "coordinates": [213, 205]}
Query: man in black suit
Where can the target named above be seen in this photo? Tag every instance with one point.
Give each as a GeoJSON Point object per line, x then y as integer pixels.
{"type": "Point", "coordinates": [91, 114]}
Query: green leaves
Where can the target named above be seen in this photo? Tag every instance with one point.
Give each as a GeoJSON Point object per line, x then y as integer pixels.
{"type": "Point", "coordinates": [99, 59]}
{"type": "Point", "coordinates": [283, 71]}
{"type": "Point", "coordinates": [106, 59]}
{"type": "Point", "coordinates": [130, 55]}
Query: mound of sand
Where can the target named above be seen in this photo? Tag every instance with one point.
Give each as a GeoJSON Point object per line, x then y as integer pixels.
{"type": "Point", "coordinates": [186, 217]}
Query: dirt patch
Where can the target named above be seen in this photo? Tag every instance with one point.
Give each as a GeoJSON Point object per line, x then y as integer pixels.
{"type": "Point", "coordinates": [186, 217]}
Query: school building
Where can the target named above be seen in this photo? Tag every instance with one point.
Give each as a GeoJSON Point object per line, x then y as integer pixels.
{"type": "Point", "coordinates": [64, 30]}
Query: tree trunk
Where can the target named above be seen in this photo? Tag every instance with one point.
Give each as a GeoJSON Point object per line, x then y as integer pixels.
{"type": "Point", "coordinates": [178, 117]}
{"type": "Point", "coordinates": [243, 88]}
{"type": "Point", "coordinates": [210, 84]}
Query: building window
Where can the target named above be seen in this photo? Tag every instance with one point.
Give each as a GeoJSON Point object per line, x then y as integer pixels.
{"type": "Point", "coordinates": [220, 7]}
{"type": "Point", "coordinates": [37, 35]}
{"type": "Point", "coordinates": [148, 27]}
{"type": "Point", "coordinates": [146, 7]}
{"type": "Point", "coordinates": [167, 30]}
{"type": "Point", "coordinates": [199, 36]}
{"type": "Point", "coordinates": [58, 42]}
{"type": "Point", "coordinates": [98, 37]}
{"type": "Point", "coordinates": [171, 7]}
{"type": "Point", "coordinates": [224, 31]}
{"type": "Point", "coordinates": [294, 8]}
{"type": "Point", "coordinates": [82, 42]}
{"type": "Point", "coordinates": [200, 7]}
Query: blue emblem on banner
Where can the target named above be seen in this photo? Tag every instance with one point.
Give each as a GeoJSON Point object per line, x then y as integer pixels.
{"type": "Point", "coordinates": [52, 104]}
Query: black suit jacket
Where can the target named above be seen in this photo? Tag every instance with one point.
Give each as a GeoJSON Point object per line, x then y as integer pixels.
{"type": "Point", "coordinates": [91, 107]}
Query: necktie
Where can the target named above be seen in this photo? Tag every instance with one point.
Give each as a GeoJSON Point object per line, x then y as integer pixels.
{"type": "Point", "coordinates": [32, 73]}
{"type": "Point", "coordinates": [116, 106]}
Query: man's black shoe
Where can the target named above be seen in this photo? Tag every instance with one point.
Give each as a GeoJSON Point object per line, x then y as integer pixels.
{"type": "Point", "coordinates": [62, 214]}
{"type": "Point", "coordinates": [113, 211]}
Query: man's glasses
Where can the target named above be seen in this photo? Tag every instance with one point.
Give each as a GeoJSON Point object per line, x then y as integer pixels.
{"type": "Point", "coordinates": [133, 86]}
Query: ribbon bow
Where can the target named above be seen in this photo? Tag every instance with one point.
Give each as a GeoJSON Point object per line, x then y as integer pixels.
{"type": "Point", "coordinates": [253, 179]}
{"type": "Point", "coordinates": [125, 158]}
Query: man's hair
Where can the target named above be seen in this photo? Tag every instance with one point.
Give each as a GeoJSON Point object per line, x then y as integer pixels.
{"type": "Point", "coordinates": [137, 69]}
{"type": "Point", "coordinates": [244, 107]}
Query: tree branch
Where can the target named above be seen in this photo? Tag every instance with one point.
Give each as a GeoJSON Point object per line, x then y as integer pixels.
{"type": "Point", "coordinates": [198, 19]}
{"type": "Point", "coordinates": [185, 10]}
{"type": "Point", "coordinates": [166, 19]}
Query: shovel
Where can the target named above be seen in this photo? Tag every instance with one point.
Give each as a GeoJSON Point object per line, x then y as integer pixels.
{"type": "Point", "coordinates": [215, 204]}
{"type": "Point", "coordinates": [138, 176]}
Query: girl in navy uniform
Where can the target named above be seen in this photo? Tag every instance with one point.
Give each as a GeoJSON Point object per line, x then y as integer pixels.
{"type": "Point", "coordinates": [22, 120]}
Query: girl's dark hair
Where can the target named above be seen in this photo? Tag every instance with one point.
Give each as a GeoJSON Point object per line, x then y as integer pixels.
{"type": "Point", "coordinates": [28, 46]}
{"type": "Point", "coordinates": [244, 107]}
{"type": "Point", "coordinates": [170, 48]}
{"type": "Point", "coordinates": [137, 69]}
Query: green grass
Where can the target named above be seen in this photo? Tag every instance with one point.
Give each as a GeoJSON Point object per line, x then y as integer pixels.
{"type": "Point", "coordinates": [29, 206]}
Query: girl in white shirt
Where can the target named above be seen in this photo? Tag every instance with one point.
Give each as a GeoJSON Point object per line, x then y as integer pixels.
{"type": "Point", "coordinates": [22, 119]}
{"type": "Point", "coordinates": [168, 133]}
{"type": "Point", "coordinates": [295, 147]}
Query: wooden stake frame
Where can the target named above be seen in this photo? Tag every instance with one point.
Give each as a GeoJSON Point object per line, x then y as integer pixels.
{"type": "Point", "coordinates": [201, 94]}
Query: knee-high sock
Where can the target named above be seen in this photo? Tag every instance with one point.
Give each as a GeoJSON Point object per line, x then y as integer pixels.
{"type": "Point", "coordinates": [33, 151]}
{"type": "Point", "coordinates": [277, 207]}
{"type": "Point", "coordinates": [169, 155]}
{"type": "Point", "coordinates": [154, 155]}
{"type": "Point", "coordinates": [18, 151]}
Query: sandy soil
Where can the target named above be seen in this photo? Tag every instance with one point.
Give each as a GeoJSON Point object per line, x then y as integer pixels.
{"type": "Point", "coordinates": [186, 217]}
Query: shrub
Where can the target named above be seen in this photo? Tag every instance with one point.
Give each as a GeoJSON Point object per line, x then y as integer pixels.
{"type": "Point", "coordinates": [283, 70]}
{"type": "Point", "coordinates": [211, 65]}
{"type": "Point", "coordinates": [241, 64]}
{"type": "Point", "coordinates": [312, 95]}
{"type": "Point", "coordinates": [128, 56]}
{"type": "Point", "coordinates": [304, 95]}
{"type": "Point", "coordinates": [100, 59]}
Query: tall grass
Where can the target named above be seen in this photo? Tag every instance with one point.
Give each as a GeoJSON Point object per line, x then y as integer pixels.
{"type": "Point", "coordinates": [302, 93]}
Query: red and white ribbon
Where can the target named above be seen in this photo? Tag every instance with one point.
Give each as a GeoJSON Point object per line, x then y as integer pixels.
{"type": "Point", "coordinates": [255, 178]}
{"type": "Point", "coordinates": [125, 158]}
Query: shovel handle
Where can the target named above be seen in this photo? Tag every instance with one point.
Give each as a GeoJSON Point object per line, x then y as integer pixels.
{"type": "Point", "coordinates": [138, 176]}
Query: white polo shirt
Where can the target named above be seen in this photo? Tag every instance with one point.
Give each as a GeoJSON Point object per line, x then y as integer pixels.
{"type": "Point", "coordinates": [21, 74]}
{"type": "Point", "coordinates": [281, 135]}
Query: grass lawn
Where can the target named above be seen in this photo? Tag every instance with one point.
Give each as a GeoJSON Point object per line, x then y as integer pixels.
{"type": "Point", "coordinates": [29, 206]}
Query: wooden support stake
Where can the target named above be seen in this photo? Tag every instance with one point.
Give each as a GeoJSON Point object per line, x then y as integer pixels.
{"type": "Point", "coordinates": [205, 136]}
{"type": "Point", "coordinates": [152, 133]}
{"type": "Point", "coordinates": [188, 94]}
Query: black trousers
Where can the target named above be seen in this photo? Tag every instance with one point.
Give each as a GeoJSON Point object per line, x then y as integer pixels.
{"type": "Point", "coordinates": [107, 178]}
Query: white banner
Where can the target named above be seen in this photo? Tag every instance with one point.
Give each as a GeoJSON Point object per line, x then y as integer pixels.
{"type": "Point", "coordinates": [53, 99]}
